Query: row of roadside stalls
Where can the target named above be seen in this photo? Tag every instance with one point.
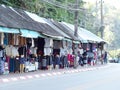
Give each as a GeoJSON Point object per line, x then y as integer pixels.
{"type": "Point", "coordinates": [26, 33]}
{"type": "Point", "coordinates": [89, 42]}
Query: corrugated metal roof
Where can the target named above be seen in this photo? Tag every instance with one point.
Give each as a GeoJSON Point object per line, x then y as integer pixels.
{"type": "Point", "coordinates": [85, 34]}
{"type": "Point", "coordinates": [64, 29]}
{"type": "Point", "coordinates": [17, 18]}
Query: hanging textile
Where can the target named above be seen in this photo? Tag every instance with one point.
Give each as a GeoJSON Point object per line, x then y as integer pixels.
{"type": "Point", "coordinates": [56, 44]}
{"type": "Point", "coordinates": [22, 41]}
{"type": "Point", "coordinates": [29, 42]}
{"type": "Point", "coordinates": [47, 51]}
{"type": "Point", "coordinates": [1, 38]}
{"type": "Point", "coordinates": [41, 43]}
{"type": "Point", "coordinates": [5, 38]}
{"type": "Point", "coordinates": [64, 44]}
{"type": "Point", "coordinates": [2, 69]}
{"type": "Point", "coordinates": [15, 51]}
{"type": "Point", "coordinates": [11, 39]}
{"type": "Point", "coordinates": [22, 50]}
{"type": "Point", "coordinates": [16, 40]}
{"type": "Point", "coordinates": [32, 43]}
{"type": "Point", "coordinates": [48, 46]}
{"type": "Point", "coordinates": [7, 49]}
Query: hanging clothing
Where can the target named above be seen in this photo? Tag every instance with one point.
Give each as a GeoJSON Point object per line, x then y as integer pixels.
{"type": "Point", "coordinates": [44, 62]}
{"type": "Point", "coordinates": [8, 51]}
{"type": "Point", "coordinates": [56, 51]}
{"type": "Point", "coordinates": [48, 46]}
{"type": "Point", "coordinates": [17, 63]}
{"type": "Point", "coordinates": [62, 61]}
{"type": "Point", "coordinates": [40, 47]}
{"type": "Point", "coordinates": [32, 43]}
{"type": "Point", "coordinates": [22, 50]}
{"type": "Point", "coordinates": [35, 42]}
{"type": "Point", "coordinates": [51, 42]}
{"type": "Point", "coordinates": [15, 51]}
{"type": "Point", "coordinates": [2, 68]}
{"type": "Point", "coordinates": [56, 44]}
{"type": "Point", "coordinates": [5, 38]}
{"type": "Point", "coordinates": [47, 51]}
{"type": "Point", "coordinates": [49, 59]}
{"type": "Point", "coordinates": [22, 40]}
{"type": "Point", "coordinates": [31, 50]}
{"type": "Point", "coordinates": [1, 53]}
{"type": "Point", "coordinates": [48, 42]}
{"type": "Point", "coordinates": [12, 65]}
{"type": "Point", "coordinates": [11, 39]}
{"type": "Point", "coordinates": [66, 64]}
{"type": "Point", "coordinates": [35, 51]}
{"type": "Point", "coordinates": [64, 44]}
{"type": "Point", "coordinates": [62, 51]}
{"type": "Point", "coordinates": [11, 51]}
{"type": "Point", "coordinates": [16, 39]}
{"type": "Point", "coordinates": [2, 38]}
{"type": "Point", "coordinates": [56, 60]}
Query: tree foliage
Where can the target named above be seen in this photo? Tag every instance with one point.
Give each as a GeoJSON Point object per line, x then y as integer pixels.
{"type": "Point", "coordinates": [44, 9]}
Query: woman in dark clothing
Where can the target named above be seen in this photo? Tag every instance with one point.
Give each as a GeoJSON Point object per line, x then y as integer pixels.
{"type": "Point", "coordinates": [66, 64]}
{"type": "Point", "coordinates": [17, 64]}
{"type": "Point", "coordinates": [85, 58]}
{"type": "Point", "coordinates": [56, 61]}
{"type": "Point", "coordinates": [62, 61]}
{"type": "Point", "coordinates": [80, 59]}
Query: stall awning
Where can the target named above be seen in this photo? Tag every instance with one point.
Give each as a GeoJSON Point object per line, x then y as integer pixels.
{"type": "Point", "coordinates": [66, 39]}
{"type": "Point", "coordinates": [9, 30]}
{"type": "Point", "coordinates": [76, 42]}
{"type": "Point", "coordinates": [30, 34]}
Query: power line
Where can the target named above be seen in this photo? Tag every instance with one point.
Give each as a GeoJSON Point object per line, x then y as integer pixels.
{"type": "Point", "coordinates": [68, 6]}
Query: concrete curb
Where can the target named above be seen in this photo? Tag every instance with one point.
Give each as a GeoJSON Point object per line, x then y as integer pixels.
{"type": "Point", "coordinates": [50, 74]}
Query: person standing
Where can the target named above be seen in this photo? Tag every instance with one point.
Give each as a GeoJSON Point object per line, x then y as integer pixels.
{"type": "Point", "coordinates": [80, 59]}
{"type": "Point", "coordinates": [85, 59]}
{"type": "Point", "coordinates": [105, 57]}
{"type": "Point", "coordinates": [22, 63]}
{"type": "Point", "coordinates": [2, 59]}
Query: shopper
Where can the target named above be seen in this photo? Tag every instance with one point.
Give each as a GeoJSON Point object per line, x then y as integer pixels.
{"type": "Point", "coordinates": [22, 63]}
{"type": "Point", "coordinates": [2, 59]}
{"type": "Point", "coordinates": [105, 57]}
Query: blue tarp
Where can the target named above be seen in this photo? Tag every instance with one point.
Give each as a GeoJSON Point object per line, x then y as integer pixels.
{"type": "Point", "coordinates": [30, 34]}
{"type": "Point", "coordinates": [9, 30]}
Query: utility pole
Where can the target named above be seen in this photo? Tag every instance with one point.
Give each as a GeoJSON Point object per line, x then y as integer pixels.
{"type": "Point", "coordinates": [76, 30]}
{"type": "Point", "coordinates": [76, 18]}
{"type": "Point", "coordinates": [102, 21]}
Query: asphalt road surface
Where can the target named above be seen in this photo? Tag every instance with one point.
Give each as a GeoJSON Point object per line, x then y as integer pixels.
{"type": "Point", "coordinates": [99, 79]}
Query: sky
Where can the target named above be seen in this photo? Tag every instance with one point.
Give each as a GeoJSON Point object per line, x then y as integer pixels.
{"type": "Point", "coordinates": [115, 3]}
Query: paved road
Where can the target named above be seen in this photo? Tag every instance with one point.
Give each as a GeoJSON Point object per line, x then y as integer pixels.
{"type": "Point", "coordinates": [98, 79]}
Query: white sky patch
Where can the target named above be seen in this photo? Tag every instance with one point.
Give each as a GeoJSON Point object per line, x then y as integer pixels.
{"type": "Point", "coordinates": [115, 3]}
